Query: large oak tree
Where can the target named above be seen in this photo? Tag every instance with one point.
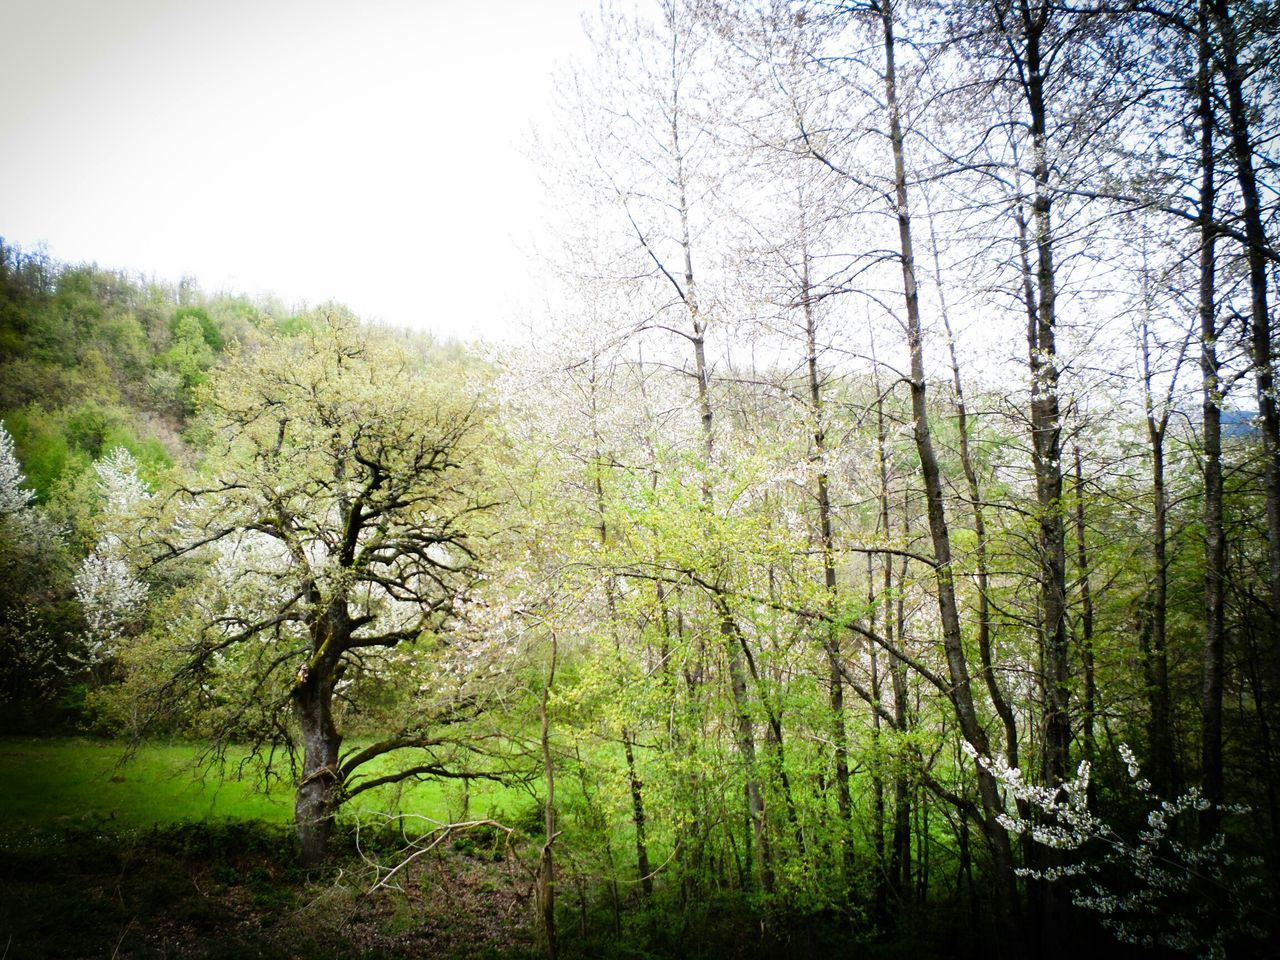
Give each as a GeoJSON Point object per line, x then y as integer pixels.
{"type": "Point", "coordinates": [335, 524]}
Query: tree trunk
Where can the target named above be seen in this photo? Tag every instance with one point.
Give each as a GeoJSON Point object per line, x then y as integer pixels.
{"type": "Point", "coordinates": [744, 727]}
{"type": "Point", "coordinates": [1086, 622]}
{"type": "Point", "coordinates": [844, 800]}
{"type": "Point", "coordinates": [1046, 456]}
{"type": "Point", "coordinates": [638, 817]}
{"type": "Point", "coordinates": [877, 767]}
{"type": "Point", "coordinates": [546, 858]}
{"type": "Point", "coordinates": [320, 790]}
{"type": "Point", "coordinates": [953, 641]}
{"type": "Point", "coordinates": [998, 700]}
{"type": "Point", "coordinates": [611, 606]}
{"type": "Point", "coordinates": [1214, 533]}
{"type": "Point", "coordinates": [1160, 730]}
{"type": "Point", "coordinates": [1232, 76]}
{"type": "Point", "coordinates": [898, 874]}
{"type": "Point", "coordinates": [1046, 426]}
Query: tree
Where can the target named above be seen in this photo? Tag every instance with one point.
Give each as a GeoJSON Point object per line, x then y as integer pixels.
{"type": "Point", "coordinates": [36, 626]}
{"type": "Point", "coordinates": [335, 525]}
{"type": "Point", "coordinates": [15, 498]}
{"type": "Point", "coordinates": [107, 589]}
{"type": "Point", "coordinates": [962, 695]}
{"type": "Point", "coordinates": [659, 119]}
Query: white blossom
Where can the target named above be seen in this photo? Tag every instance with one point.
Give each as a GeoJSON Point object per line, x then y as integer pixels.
{"type": "Point", "coordinates": [121, 487]}
{"type": "Point", "coordinates": [111, 596]}
{"type": "Point", "coordinates": [1157, 863]}
{"type": "Point", "coordinates": [106, 585]}
{"type": "Point", "coordinates": [15, 498]}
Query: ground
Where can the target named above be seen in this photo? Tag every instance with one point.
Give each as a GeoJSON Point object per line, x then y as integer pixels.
{"type": "Point", "coordinates": [152, 859]}
{"type": "Point", "coordinates": [230, 890]}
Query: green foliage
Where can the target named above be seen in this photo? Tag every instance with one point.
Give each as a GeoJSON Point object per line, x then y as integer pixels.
{"type": "Point", "coordinates": [296, 325]}
{"type": "Point", "coordinates": [43, 447]}
{"type": "Point", "coordinates": [91, 359]}
{"type": "Point", "coordinates": [38, 625]}
{"type": "Point", "coordinates": [189, 358]}
{"type": "Point", "coordinates": [56, 448]}
{"type": "Point", "coordinates": [684, 593]}
{"type": "Point", "coordinates": [180, 326]}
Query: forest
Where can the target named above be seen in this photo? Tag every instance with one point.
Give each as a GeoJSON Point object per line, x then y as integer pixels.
{"type": "Point", "coordinates": [875, 549]}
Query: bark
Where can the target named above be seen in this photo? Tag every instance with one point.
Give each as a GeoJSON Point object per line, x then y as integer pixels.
{"type": "Point", "coordinates": [319, 793]}
{"type": "Point", "coordinates": [900, 844]}
{"type": "Point", "coordinates": [999, 701]}
{"type": "Point", "coordinates": [922, 855]}
{"type": "Point", "coordinates": [546, 859]}
{"type": "Point", "coordinates": [1262, 705]}
{"type": "Point", "coordinates": [1086, 621]}
{"type": "Point", "coordinates": [877, 767]}
{"type": "Point", "coordinates": [964, 872]}
{"type": "Point", "coordinates": [1040, 295]}
{"type": "Point", "coordinates": [1160, 707]}
{"type": "Point", "coordinates": [1046, 421]}
{"type": "Point", "coordinates": [638, 817]}
{"type": "Point", "coordinates": [903, 794]}
{"type": "Point", "coordinates": [898, 875]}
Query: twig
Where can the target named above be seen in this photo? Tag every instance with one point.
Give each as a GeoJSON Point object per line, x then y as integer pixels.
{"type": "Point", "coordinates": [123, 933]}
{"type": "Point", "coordinates": [445, 830]}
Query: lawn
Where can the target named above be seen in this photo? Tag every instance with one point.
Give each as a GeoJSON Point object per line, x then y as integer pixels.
{"type": "Point", "coordinates": [52, 782]}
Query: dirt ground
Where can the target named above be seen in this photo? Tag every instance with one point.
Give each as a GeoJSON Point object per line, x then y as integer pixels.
{"type": "Point", "coordinates": [235, 893]}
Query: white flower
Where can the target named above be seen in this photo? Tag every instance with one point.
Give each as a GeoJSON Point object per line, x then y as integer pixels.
{"type": "Point", "coordinates": [14, 497]}
{"type": "Point", "coordinates": [111, 596]}
{"type": "Point", "coordinates": [106, 586]}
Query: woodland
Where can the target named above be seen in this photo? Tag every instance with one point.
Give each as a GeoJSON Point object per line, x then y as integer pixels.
{"type": "Point", "coordinates": [875, 550]}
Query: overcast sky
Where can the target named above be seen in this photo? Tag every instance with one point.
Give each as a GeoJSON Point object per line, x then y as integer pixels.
{"type": "Point", "coordinates": [371, 152]}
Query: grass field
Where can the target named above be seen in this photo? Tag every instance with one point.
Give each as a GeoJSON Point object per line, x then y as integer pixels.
{"type": "Point", "coordinates": [53, 782]}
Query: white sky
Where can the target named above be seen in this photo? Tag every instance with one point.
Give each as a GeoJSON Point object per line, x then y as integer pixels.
{"type": "Point", "coordinates": [367, 151]}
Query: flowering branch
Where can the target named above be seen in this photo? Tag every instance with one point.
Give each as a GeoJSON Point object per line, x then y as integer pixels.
{"type": "Point", "coordinates": [1151, 890]}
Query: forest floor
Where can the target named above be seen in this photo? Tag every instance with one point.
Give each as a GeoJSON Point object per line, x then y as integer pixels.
{"type": "Point", "coordinates": [221, 891]}
{"type": "Point", "coordinates": [149, 861]}
{"type": "Point", "coordinates": [229, 890]}
{"type": "Point", "coordinates": [156, 857]}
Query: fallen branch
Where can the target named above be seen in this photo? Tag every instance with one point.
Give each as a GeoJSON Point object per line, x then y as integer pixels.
{"type": "Point", "coordinates": [445, 830]}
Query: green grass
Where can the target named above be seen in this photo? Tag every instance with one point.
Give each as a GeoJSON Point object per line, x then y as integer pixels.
{"type": "Point", "coordinates": [60, 782]}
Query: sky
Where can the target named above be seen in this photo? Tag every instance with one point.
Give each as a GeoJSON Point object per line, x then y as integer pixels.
{"type": "Point", "coordinates": [374, 152]}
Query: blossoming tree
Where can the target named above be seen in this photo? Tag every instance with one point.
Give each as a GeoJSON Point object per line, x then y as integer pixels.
{"type": "Point", "coordinates": [333, 533]}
